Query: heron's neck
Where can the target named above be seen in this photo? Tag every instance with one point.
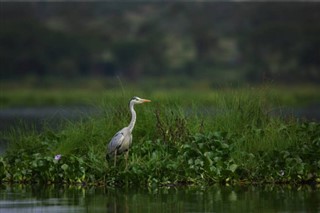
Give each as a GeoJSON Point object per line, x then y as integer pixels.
{"type": "Point", "coordinates": [133, 117]}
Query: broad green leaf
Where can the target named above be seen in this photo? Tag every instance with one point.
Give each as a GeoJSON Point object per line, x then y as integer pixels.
{"type": "Point", "coordinates": [64, 167]}
{"type": "Point", "coordinates": [233, 167]}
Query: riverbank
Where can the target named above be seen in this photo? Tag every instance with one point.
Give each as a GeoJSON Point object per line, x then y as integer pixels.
{"type": "Point", "coordinates": [242, 143]}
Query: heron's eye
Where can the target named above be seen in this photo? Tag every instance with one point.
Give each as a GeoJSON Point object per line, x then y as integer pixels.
{"type": "Point", "coordinates": [135, 98]}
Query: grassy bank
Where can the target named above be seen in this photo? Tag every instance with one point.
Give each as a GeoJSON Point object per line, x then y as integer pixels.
{"type": "Point", "coordinates": [181, 137]}
{"type": "Point", "coordinates": [92, 91]}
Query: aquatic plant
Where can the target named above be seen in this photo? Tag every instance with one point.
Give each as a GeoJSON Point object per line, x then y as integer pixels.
{"type": "Point", "coordinates": [176, 142]}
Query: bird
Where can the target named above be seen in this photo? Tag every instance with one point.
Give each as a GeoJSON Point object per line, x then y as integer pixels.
{"type": "Point", "coordinates": [122, 140]}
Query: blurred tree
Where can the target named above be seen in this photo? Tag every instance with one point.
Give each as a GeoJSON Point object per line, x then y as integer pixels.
{"type": "Point", "coordinates": [261, 41]}
{"type": "Point", "coordinates": [282, 42]}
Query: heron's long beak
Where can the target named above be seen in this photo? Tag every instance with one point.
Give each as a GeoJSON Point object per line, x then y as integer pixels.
{"type": "Point", "coordinates": [145, 100]}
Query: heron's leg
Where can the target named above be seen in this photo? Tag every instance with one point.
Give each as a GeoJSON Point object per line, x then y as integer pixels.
{"type": "Point", "coordinates": [126, 157]}
{"type": "Point", "coordinates": [115, 158]}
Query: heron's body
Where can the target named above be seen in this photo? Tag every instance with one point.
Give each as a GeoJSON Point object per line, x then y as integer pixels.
{"type": "Point", "coordinates": [122, 140]}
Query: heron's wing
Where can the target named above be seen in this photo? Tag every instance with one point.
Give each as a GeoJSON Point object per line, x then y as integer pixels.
{"type": "Point", "coordinates": [115, 142]}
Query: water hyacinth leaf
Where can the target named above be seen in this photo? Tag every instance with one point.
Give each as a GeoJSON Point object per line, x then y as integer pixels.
{"type": "Point", "coordinates": [34, 164]}
{"type": "Point", "coordinates": [186, 146]}
{"type": "Point", "coordinates": [233, 167]}
{"type": "Point", "coordinates": [300, 168]}
{"type": "Point", "coordinates": [217, 159]}
{"type": "Point", "coordinates": [64, 167]}
{"type": "Point", "coordinates": [201, 145]}
{"type": "Point", "coordinates": [217, 134]}
{"type": "Point", "coordinates": [208, 154]}
{"type": "Point", "coordinates": [198, 162]}
{"type": "Point", "coordinates": [224, 145]}
{"type": "Point", "coordinates": [40, 163]}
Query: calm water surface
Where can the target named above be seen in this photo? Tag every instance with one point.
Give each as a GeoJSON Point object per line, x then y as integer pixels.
{"type": "Point", "coordinates": [181, 199]}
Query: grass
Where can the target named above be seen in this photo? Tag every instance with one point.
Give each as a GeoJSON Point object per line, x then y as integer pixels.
{"type": "Point", "coordinates": [92, 91]}
{"type": "Point", "coordinates": [181, 137]}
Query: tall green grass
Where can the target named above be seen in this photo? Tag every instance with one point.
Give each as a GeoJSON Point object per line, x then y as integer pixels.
{"type": "Point", "coordinates": [57, 96]}
{"type": "Point", "coordinates": [179, 138]}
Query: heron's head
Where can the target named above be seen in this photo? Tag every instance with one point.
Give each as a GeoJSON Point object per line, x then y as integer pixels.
{"type": "Point", "coordinates": [137, 100]}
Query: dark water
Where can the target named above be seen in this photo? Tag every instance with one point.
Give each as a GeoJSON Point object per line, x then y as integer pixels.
{"type": "Point", "coordinates": [180, 199]}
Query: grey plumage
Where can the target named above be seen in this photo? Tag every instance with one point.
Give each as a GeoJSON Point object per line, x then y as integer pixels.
{"type": "Point", "coordinates": [122, 140]}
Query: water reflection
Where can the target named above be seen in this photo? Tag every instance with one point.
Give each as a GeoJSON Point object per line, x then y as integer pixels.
{"type": "Point", "coordinates": [20, 198]}
{"type": "Point", "coordinates": [180, 199]}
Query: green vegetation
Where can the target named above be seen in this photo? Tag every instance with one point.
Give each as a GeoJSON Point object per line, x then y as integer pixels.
{"type": "Point", "coordinates": [229, 42]}
{"type": "Point", "coordinates": [197, 129]}
{"type": "Point", "coordinates": [181, 138]}
{"type": "Point", "coordinates": [90, 92]}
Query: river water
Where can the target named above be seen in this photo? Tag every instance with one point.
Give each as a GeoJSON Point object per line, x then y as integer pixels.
{"type": "Point", "coordinates": [217, 198]}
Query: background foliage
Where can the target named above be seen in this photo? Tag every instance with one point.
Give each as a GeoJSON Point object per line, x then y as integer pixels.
{"type": "Point", "coordinates": [221, 41]}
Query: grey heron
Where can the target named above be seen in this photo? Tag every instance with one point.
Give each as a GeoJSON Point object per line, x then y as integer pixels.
{"type": "Point", "coordinates": [121, 141]}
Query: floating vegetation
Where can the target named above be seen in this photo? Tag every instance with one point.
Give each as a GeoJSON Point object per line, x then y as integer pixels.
{"type": "Point", "coordinates": [173, 144]}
